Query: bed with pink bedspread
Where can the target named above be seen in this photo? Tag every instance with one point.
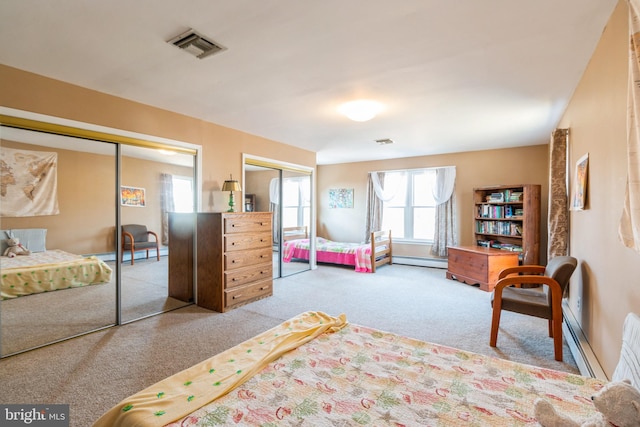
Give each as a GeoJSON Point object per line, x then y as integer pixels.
{"type": "Point", "coordinates": [364, 257]}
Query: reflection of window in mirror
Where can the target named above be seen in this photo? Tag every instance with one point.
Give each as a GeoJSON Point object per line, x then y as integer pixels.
{"type": "Point", "coordinates": [182, 193]}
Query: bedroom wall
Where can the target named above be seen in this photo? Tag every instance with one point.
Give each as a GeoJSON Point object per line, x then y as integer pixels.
{"type": "Point", "coordinates": [605, 287]}
{"type": "Point", "coordinates": [86, 184]}
{"type": "Point", "coordinates": [524, 165]}
{"type": "Point", "coordinates": [222, 147]}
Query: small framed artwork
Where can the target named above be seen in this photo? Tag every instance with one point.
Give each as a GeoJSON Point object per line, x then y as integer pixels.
{"type": "Point", "coordinates": [580, 183]}
{"type": "Point", "coordinates": [132, 196]}
{"type": "Point", "coordinates": [341, 198]}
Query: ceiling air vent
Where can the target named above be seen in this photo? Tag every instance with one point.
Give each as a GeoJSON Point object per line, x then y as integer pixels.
{"type": "Point", "coordinates": [196, 44]}
{"type": "Point", "coordinates": [385, 141]}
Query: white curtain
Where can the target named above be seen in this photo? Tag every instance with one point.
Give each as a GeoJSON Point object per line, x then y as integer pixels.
{"type": "Point", "coordinates": [373, 220]}
{"type": "Point", "coordinates": [274, 203]}
{"type": "Point", "coordinates": [443, 192]}
{"type": "Point", "coordinates": [384, 194]}
{"type": "Point", "coordinates": [166, 204]}
{"type": "Point", "coordinates": [629, 229]}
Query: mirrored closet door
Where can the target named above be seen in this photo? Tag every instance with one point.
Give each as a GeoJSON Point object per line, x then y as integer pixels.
{"type": "Point", "coordinates": [286, 192]}
{"type": "Point", "coordinates": [66, 193]}
{"type": "Point", "coordinates": [58, 199]}
{"type": "Point", "coordinates": [153, 183]}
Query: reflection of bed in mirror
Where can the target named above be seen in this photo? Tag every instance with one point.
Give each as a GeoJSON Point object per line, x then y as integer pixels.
{"type": "Point", "coordinates": [364, 257]}
{"type": "Point", "coordinates": [46, 270]}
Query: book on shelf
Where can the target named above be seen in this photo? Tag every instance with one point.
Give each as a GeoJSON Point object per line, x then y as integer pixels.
{"type": "Point", "coordinates": [496, 197]}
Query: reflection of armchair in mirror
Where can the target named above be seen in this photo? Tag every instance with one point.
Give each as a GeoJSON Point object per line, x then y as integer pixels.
{"type": "Point", "coordinates": [136, 237]}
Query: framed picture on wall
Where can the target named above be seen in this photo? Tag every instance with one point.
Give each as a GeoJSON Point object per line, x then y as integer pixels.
{"type": "Point", "coordinates": [132, 196]}
{"type": "Point", "coordinates": [580, 183]}
{"type": "Point", "coordinates": [341, 198]}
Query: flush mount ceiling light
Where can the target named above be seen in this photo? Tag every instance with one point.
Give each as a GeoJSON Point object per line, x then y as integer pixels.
{"type": "Point", "coordinates": [196, 44]}
{"type": "Point", "coordinates": [361, 110]}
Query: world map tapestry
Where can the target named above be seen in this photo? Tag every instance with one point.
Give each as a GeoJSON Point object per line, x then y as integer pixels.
{"type": "Point", "coordinates": [28, 183]}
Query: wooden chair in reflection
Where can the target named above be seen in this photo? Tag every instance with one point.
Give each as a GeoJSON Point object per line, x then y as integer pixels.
{"type": "Point", "coordinates": [136, 237]}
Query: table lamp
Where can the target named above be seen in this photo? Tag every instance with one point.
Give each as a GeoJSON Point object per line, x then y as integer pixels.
{"type": "Point", "coordinates": [231, 185]}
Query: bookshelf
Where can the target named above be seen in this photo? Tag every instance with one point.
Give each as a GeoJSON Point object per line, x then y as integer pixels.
{"type": "Point", "coordinates": [507, 217]}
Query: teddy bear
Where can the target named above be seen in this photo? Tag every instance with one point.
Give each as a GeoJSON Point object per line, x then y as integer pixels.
{"type": "Point", "coordinates": [15, 248]}
{"type": "Point", "coordinates": [617, 403]}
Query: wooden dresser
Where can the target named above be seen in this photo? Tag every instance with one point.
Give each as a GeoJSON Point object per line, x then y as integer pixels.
{"type": "Point", "coordinates": [234, 259]}
{"type": "Point", "coordinates": [479, 265]}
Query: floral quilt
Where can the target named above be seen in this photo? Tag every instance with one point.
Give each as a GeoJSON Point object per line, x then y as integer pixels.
{"type": "Point", "coordinates": [360, 376]}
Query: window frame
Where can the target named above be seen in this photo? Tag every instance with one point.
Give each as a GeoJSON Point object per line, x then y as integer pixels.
{"type": "Point", "coordinates": [410, 205]}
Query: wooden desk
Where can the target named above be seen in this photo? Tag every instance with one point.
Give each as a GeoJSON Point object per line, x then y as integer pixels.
{"type": "Point", "coordinates": [479, 265]}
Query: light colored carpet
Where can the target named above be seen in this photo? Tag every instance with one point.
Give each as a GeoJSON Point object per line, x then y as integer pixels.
{"type": "Point", "coordinates": [94, 372]}
{"type": "Point", "coordinates": [30, 321]}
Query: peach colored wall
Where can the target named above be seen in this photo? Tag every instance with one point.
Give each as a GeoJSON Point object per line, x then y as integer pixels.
{"type": "Point", "coordinates": [222, 147]}
{"type": "Point", "coordinates": [605, 287]}
{"type": "Point", "coordinates": [257, 182]}
{"type": "Point", "coordinates": [525, 165]}
{"type": "Point", "coordinates": [87, 199]}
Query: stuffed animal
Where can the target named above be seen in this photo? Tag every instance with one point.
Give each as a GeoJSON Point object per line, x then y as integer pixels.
{"type": "Point", "coordinates": [617, 403]}
{"type": "Point", "coordinates": [15, 248]}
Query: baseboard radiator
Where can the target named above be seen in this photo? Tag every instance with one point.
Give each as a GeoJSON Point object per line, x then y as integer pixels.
{"type": "Point", "coordinates": [581, 350]}
{"type": "Point", "coordinates": [111, 256]}
{"type": "Point", "coordinates": [420, 262]}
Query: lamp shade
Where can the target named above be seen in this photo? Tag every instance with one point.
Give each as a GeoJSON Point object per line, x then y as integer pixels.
{"type": "Point", "coordinates": [231, 185]}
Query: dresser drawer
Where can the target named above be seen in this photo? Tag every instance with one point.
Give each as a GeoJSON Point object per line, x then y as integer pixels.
{"type": "Point", "coordinates": [246, 275]}
{"type": "Point", "coordinates": [236, 259]}
{"type": "Point", "coordinates": [247, 223]}
{"type": "Point", "coordinates": [241, 242]}
{"type": "Point", "coordinates": [241, 294]}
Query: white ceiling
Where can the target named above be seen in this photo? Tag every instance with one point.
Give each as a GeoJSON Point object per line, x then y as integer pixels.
{"type": "Point", "coordinates": [454, 76]}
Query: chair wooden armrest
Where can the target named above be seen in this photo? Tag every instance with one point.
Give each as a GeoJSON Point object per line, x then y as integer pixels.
{"type": "Point", "coordinates": [153, 234]}
{"type": "Point", "coordinates": [531, 269]}
{"type": "Point", "coordinates": [126, 234]}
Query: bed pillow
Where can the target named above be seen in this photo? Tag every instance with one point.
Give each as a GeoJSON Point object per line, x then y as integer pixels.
{"type": "Point", "coordinates": [33, 239]}
{"type": "Point", "coordinates": [628, 366]}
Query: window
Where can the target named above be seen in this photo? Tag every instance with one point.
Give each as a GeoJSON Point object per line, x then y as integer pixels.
{"type": "Point", "coordinates": [296, 206]}
{"type": "Point", "coordinates": [182, 193]}
{"type": "Point", "coordinates": [411, 212]}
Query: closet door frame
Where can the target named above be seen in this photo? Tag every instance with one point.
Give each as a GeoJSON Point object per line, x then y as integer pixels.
{"type": "Point", "coordinates": [20, 119]}
{"type": "Point", "coordinates": [248, 159]}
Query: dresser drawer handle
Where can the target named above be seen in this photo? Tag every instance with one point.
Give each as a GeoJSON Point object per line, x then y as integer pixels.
{"type": "Point", "coordinates": [264, 288]}
{"type": "Point", "coordinates": [237, 296]}
{"type": "Point", "coordinates": [233, 243]}
{"type": "Point", "coordinates": [263, 223]}
{"type": "Point", "coordinates": [233, 225]}
{"type": "Point", "coordinates": [235, 279]}
{"type": "Point", "coordinates": [233, 261]}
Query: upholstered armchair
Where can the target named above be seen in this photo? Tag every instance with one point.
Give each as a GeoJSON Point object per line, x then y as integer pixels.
{"type": "Point", "coordinates": [545, 303]}
{"type": "Point", "coordinates": [136, 237]}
